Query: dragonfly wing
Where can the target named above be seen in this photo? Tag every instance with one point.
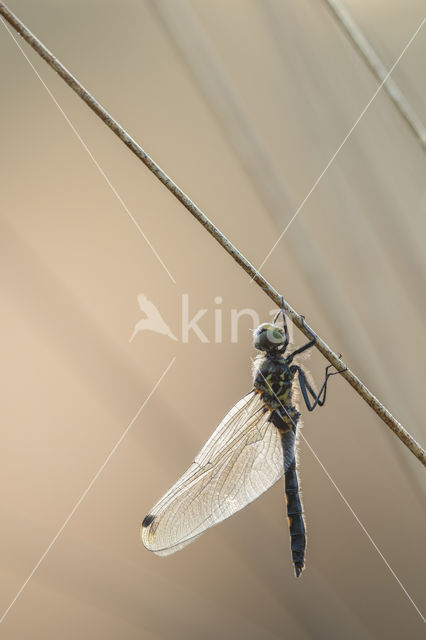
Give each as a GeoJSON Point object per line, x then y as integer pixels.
{"type": "Point", "coordinates": [241, 460]}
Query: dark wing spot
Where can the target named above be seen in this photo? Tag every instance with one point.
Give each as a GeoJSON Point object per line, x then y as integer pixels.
{"type": "Point", "coordinates": [149, 519]}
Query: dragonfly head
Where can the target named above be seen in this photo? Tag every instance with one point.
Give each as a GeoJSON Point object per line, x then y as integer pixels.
{"type": "Point", "coordinates": [269, 337]}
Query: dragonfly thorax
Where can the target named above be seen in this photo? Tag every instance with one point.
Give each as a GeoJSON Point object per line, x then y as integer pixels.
{"type": "Point", "coordinates": [273, 379]}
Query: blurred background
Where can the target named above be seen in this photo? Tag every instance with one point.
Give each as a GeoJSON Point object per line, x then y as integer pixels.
{"type": "Point", "coordinates": [243, 104]}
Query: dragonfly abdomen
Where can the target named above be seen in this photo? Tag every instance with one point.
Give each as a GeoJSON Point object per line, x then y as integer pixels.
{"type": "Point", "coordinates": [295, 517]}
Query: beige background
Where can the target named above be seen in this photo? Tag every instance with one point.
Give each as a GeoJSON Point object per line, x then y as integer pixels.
{"type": "Point", "coordinates": [243, 103]}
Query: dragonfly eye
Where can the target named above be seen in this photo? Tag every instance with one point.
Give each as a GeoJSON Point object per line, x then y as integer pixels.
{"type": "Point", "coordinates": [268, 337]}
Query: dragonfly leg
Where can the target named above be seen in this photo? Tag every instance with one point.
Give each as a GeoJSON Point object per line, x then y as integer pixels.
{"type": "Point", "coordinates": [308, 345]}
{"type": "Point", "coordinates": [311, 398]}
{"type": "Point", "coordinates": [285, 327]}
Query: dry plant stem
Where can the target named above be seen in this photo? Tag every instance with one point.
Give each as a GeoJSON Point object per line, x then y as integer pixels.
{"type": "Point", "coordinates": [355, 382]}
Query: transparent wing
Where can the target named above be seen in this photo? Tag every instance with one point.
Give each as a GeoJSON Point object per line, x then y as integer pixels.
{"type": "Point", "coordinates": [241, 460]}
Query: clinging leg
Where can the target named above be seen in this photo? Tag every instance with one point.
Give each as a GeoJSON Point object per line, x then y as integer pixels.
{"type": "Point", "coordinates": [306, 388]}
{"type": "Point", "coordinates": [308, 345]}
{"type": "Point", "coordinates": [285, 327]}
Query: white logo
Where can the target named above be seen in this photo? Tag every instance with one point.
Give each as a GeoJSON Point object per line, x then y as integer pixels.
{"type": "Point", "coordinates": [153, 321]}
{"type": "Point", "coordinates": [190, 324]}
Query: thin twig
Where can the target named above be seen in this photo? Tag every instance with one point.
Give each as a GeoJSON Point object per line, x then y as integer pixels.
{"type": "Point", "coordinates": [353, 380]}
{"type": "Point", "coordinates": [379, 70]}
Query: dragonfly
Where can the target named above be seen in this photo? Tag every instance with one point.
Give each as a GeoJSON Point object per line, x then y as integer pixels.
{"type": "Point", "coordinates": [250, 450]}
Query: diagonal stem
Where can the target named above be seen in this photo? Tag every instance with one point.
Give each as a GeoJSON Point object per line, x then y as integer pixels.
{"type": "Point", "coordinates": [348, 375]}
